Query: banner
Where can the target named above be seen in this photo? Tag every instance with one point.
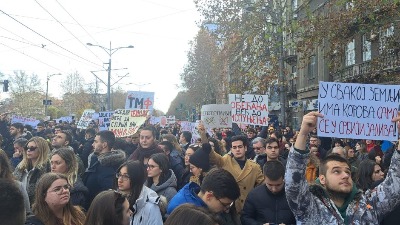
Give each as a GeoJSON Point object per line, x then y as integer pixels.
{"type": "Point", "coordinates": [249, 109]}
{"type": "Point", "coordinates": [139, 100]}
{"type": "Point", "coordinates": [85, 119]}
{"type": "Point", "coordinates": [358, 111]}
{"type": "Point", "coordinates": [216, 115]}
{"type": "Point", "coordinates": [64, 119]}
{"type": "Point", "coordinates": [24, 120]}
{"type": "Point", "coordinates": [104, 120]}
{"type": "Point", "coordinates": [126, 122]}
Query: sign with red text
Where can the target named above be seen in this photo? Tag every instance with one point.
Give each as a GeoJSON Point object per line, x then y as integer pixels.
{"type": "Point", "coordinates": [86, 118]}
{"type": "Point", "coordinates": [249, 109]}
{"type": "Point", "coordinates": [216, 115]}
{"type": "Point", "coordinates": [126, 122]}
{"type": "Point", "coordinates": [139, 100]}
{"type": "Point", "coordinates": [358, 111]}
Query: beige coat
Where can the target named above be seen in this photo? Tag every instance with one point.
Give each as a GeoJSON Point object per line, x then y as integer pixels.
{"type": "Point", "coordinates": [248, 178]}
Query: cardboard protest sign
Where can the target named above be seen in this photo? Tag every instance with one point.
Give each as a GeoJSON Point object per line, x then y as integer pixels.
{"type": "Point", "coordinates": [187, 126]}
{"type": "Point", "coordinates": [126, 122]}
{"type": "Point", "coordinates": [24, 120]}
{"type": "Point", "coordinates": [139, 100]}
{"type": "Point", "coordinates": [358, 111]}
{"type": "Point", "coordinates": [249, 109]}
{"type": "Point", "coordinates": [104, 120]}
{"type": "Point", "coordinates": [85, 119]}
{"type": "Point", "coordinates": [216, 115]}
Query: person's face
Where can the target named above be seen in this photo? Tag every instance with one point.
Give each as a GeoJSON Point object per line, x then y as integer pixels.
{"type": "Point", "coordinates": [32, 151]}
{"type": "Point", "coordinates": [164, 149]}
{"type": "Point", "coordinates": [153, 169]}
{"type": "Point", "coordinates": [272, 150]}
{"type": "Point", "coordinates": [188, 153]}
{"type": "Point", "coordinates": [223, 142]}
{"type": "Point", "coordinates": [275, 186]}
{"type": "Point", "coordinates": [146, 138]}
{"type": "Point", "coordinates": [135, 139]}
{"type": "Point", "coordinates": [314, 141]}
{"type": "Point", "coordinates": [337, 178]}
{"type": "Point", "coordinates": [182, 139]}
{"type": "Point", "coordinates": [251, 135]}
{"type": "Point", "coordinates": [126, 213]}
{"type": "Point", "coordinates": [98, 145]}
{"type": "Point", "coordinates": [196, 171]}
{"type": "Point", "coordinates": [291, 140]}
{"type": "Point", "coordinates": [39, 128]}
{"type": "Point", "coordinates": [59, 140]}
{"type": "Point", "coordinates": [314, 150]}
{"type": "Point", "coordinates": [339, 151]}
{"type": "Point", "coordinates": [18, 148]}
{"type": "Point", "coordinates": [13, 131]}
{"type": "Point", "coordinates": [258, 148]}
{"type": "Point", "coordinates": [57, 130]}
{"type": "Point", "coordinates": [350, 153]}
{"type": "Point", "coordinates": [378, 174]}
{"type": "Point", "coordinates": [128, 139]}
{"type": "Point", "coordinates": [337, 144]}
{"type": "Point", "coordinates": [368, 142]}
{"type": "Point", "coordinates": [87, 136]}
{"type": "Point", "coordinates": [358, 147]}
{"type": "Point", "coordinates": [239, 150]}
{"type": "Point", "coordinates": [58, 164]}
{"type": "Point", "coordinates": [58, 195]}
{"type": "Point", "coordinates": [217, 205]}
{"type": "Point", "coordinates": [124, 182]}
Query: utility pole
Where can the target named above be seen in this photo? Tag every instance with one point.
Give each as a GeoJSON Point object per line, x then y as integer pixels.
{"type": "Point", "coordinates": [46, 101]}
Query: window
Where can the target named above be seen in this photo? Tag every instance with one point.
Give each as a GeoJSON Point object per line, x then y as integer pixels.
{"type": "Point", "coordinates": [312, 67]}
{"type": "Point", "coordinates": [350, 54]}
{"type": "Point", "coordinates": [383, 36]}
{"type": "Point", "coordinates": [366, 48]}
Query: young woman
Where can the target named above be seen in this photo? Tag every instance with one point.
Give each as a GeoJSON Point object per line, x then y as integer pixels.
{"type": "Point", "coordinates": [361, 151]}
{"type": "Point", "coordinates": [6, 173]}
{"type": "Point", "coordinates": [147, 145]}
{"type": "Point", "coordinates": [52, 203]}
{"type": "Point", "coordinates": [63, 160]}
{"type": "Point", "coordinates": [34, 164]}
{"type": "Point", "coordinates": [200, 163]}
{"type": "Point", "coordinates": [109, 208]}
{"type": "Point", "coordinates": [143, 201]}
{"type": "Point", "coordinates": [369, 175]}
{"type": "Point", "coordinates": [186, 174]}
{"type": "Point", "coordinates": [172, 139]}
{"type": "Point", "coordinates": [161, 179]}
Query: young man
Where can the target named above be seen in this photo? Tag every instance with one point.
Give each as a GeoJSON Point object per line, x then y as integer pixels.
{"type": "Point", "coordinates": [247, 173]}
{"type": "Point", "coordinates": [218, 192]}
{"type": "Point", "coordinates": [267, 203]}
{"type": "Point", "coordinates": [336, 200]}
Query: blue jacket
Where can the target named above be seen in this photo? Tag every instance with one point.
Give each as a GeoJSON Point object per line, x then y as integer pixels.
{"type": "Point", "coordinates": [188, 194]}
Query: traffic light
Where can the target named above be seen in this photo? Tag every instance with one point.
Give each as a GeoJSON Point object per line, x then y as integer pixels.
{"type": "Point", "coordinates": [5, 86]}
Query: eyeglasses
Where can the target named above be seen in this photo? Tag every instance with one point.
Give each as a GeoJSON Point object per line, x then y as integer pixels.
{"type": "Point", "coordinates": [59, 189]}
{"type": "Point", "coordinates": [31, 148]}
{"type": "Point", "coordinates": [124, 177]}
{"type": "Point", "coordinates": [226, 205]}
{"type": "Point", "coordinates": [151, 166]}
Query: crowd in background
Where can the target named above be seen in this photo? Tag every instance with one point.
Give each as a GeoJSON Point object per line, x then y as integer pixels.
{"type": "Point", "coordinates": [59, 174]}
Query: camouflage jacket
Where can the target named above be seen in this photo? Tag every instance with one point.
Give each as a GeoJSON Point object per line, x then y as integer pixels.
{"type": "Point", "coordinates": [310, 206]}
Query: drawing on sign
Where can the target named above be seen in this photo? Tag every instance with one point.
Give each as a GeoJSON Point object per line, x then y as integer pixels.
{"type": "Point", "coordinates": [209, 121]}
{"type": "Point", "coordinates": [223, 120]}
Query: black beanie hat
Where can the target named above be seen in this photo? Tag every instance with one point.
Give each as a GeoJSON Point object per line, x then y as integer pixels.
{"type": "Point", "coordinates": [200, 158]}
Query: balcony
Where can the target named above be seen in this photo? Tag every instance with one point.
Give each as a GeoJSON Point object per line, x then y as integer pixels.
{"type": "Point", "coordinates": [356, 73]}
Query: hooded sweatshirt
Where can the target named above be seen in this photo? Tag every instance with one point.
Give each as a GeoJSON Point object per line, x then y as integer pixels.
{"type": "Point", "coordinates": [167, 188]}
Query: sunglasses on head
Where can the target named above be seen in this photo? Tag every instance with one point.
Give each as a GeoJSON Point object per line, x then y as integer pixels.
{"type": "Point", "coordinates": [30, 148]}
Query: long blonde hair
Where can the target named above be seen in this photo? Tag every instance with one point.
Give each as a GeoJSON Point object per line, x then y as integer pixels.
{"type": "Point", "coordinates": [43, 159]}
{"type": "Point", "coordinates": [71, 214]}
{"type": "Point", "coordinates": [172, 139]}
{"type": "Point", "coordinates": [70, 159]}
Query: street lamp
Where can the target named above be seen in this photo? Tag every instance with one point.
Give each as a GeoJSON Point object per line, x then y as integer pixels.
{"type": "Point", "coordinates": [46, 103]}
{"type": "Point", "coordinates": [110, 51]}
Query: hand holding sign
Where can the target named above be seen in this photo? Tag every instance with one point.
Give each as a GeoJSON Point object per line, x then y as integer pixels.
{"type": "Point", "coordinates": [201, 128]}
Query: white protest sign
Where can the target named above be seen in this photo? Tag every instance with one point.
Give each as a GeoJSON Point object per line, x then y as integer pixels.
{"type": "Point", "coordinates": [25, 120]}
{"type": "Point", "coordinates": [104, 120]}
{"type": "Point", "coordinates": [155, 120]}
{"type": "Point", "coordinates": [65, 119]}
{"type": "Point", "coordinates": [171, 120]}
{"type": "Point", "coordinates": [139, 100]}
{"type": "Point", "coordinates": [126, 122]}
{"type": "Point", "coordinates": [216, 115]}
{"type": "Point", "coordinates": [249, 109]}
{"type": "Point", "coordinates": [358, 111]}
{"type": "Point", "coordinates": [85, 119]}
{"type": "Point", "coordinates": [187, 126]}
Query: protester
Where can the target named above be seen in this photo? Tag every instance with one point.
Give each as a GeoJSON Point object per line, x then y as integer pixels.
{"type": "Point", "coordinates": [200, 164]}
{"type": "Point", "coordinates": [369, 175]}
{"type": "Point", "coordinates": [188, 214]}
{"type": "Point", "coordinates": [63, 161]}
{"type": "Point", "coordinates": [147, 145]}
{"type": "Point", "coordinates": [109, 208]}
{"type": "Point", "coordinates": [186, 173]}
{"type": "Point", "coordinates": [18, 154]}
{"type": "Point", "coordinates": [143, 201]}
{"type": "Point", "coordinates": [336, 200]}
{"type": "Point", "coordinates": [175, 158]}
{"type": "Point", "coordinates": [12, 202]}
{"type": "Point", "coordinates": [161, 179]}
{"type": "Point", "coordinates": [52, 202]}
{"type": "Point", "coordinates": [184, 140]}
{"type": "Point", "coordinates": [34, 164]}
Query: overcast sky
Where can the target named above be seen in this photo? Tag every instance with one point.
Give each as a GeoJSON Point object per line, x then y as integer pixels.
{"type": "Point", "coordinates": [49, 36]}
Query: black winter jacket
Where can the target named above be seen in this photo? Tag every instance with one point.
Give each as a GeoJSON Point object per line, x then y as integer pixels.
{"type": "Point", "coordinates": [262, 206]}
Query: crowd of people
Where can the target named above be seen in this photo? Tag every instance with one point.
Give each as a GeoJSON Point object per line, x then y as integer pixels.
{"type": "Point", "coordinates": [57, 174]}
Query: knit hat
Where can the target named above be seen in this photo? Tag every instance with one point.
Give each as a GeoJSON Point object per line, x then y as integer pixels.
{"type": "Point", "coordinates": [200, 158]}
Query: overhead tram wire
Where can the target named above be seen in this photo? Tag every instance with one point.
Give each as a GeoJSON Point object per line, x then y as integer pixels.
{"type": "Point", "coordinates": [69, 31]}
{"type": "Point", "coordinates": [32, 57]}
{"type": "Point", "coordinates": [49, 39]}
{"type": "Point", "coordinates": [47, 49]}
